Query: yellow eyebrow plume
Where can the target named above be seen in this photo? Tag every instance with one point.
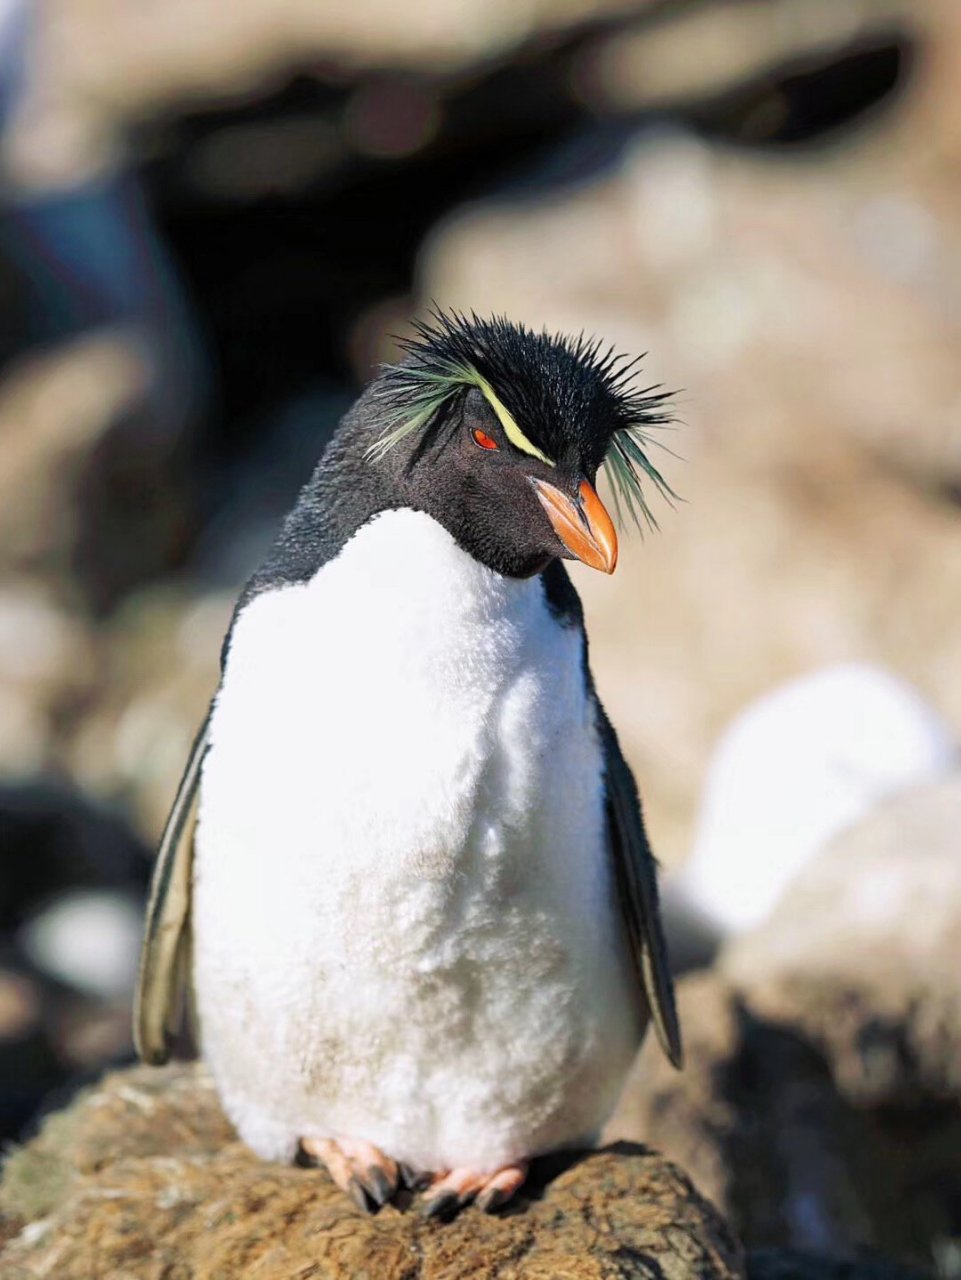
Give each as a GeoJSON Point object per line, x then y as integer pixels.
{"type": "Point", "coordinates": [511, 429]}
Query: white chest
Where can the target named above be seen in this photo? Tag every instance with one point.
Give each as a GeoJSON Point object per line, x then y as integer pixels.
{"type": "Point", "coordinates": [406, 707]}
{"type": "Point", "coordinates": [401, 840]}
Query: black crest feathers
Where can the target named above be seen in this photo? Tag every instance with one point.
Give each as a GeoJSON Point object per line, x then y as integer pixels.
{"type": "Point", "coordinates": [573, 396]}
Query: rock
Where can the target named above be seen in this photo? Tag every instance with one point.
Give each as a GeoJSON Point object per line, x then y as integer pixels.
{"type": "Point", "coordinates": [87, 940]}
{"type": "Point", "coordinates": [47, 664]}
{"type": "Point", "coordinates": [794, 769]}
{"type": "Point", "coordinates": [821, 1104]}
{"type": "Point", "coordinates": [163, 650]}
{"type": "Point", "coordinates": [770, 1133]}
{"type": "Point", "coordinates": [55, 409]}
{"type": "Point", "coordinates": [93, 498]}
{"type": "Point", "coordinates": [863, 953]}
{"type": "Point", "coordinates": [805, 309]}
{"type": "Point", "coordinates": [77, 103]}
{"type": "Point", "coordinates": [71, 904]}
{"type": "Point", "coordinates": [700, 52]}
{"type": "Point", "coordinates": [143, 1176]}
{"type": "Point", "coordinates": [793, 1264]}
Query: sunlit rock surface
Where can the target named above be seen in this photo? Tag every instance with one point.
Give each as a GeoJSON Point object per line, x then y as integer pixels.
{"type": "Point", "coordinates": [144, 1176]}
{"type": "Point", "coordinates": [795, 769]}
{"type": "Point", "coordinates": [820, 1106]}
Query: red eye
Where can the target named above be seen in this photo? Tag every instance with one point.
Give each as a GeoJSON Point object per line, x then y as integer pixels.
{"type": "Point", "coordinates": [483, 439]}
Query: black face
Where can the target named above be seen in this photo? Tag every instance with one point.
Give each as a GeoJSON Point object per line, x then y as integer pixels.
{"type": "Point", "coordinates": [498, 432]}
{"type": "Point", "coordinates": [511, 510]}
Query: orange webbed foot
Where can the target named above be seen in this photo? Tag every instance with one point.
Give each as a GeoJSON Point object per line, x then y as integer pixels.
{"type": "Point", "coordinates": [368, 1176]}
{"type": "Point", "coordinates": [451, 1191]}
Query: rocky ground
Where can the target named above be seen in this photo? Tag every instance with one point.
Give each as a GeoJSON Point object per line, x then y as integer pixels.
{"type": "Point", "coordinates": [144, 1177]}
{"type": "Point", "coordinates": [821, 1103]}
{"type": "Point", "coordinates": [820, 1109]}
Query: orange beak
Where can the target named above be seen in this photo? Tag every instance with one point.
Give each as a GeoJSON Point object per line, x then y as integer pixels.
{"type": "Point", "coordinates": [582, 525]}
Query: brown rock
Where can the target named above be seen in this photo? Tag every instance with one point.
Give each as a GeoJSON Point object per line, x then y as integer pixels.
{"type": "Point", "coordinates": [805, 309]}
{"type": "Point", "coordinates": [759, 1120]}
{"type": "Point", "coordinates": [77, 102]}
{"type": "Point", "coordinates": [161, 668]}
{"type": "Point", "coordinates": [821, 1104]}
{"type": "Point", "coordinates": [863, 953]}
{"type": "Point", "coordinates": [47, 664]}
{"type": "Point", "coordinates": [143, 1177]}
{"type": "Point", "coordinates": [708, 48]}
{"type": "Point", "coordinates": [55, 410]}
{"type": "Point", "coordinates": [92, 496]}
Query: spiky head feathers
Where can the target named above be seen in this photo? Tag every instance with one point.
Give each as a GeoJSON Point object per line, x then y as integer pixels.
{"type": "Point", "coordinates": [566, 401]}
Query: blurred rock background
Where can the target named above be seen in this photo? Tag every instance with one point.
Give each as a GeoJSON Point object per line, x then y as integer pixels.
{"type": "Point", "coordinates": [214, 220]}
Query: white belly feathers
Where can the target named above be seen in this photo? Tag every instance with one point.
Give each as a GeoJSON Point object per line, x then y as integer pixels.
{"type": "Point", "coordinates": [402, 913]}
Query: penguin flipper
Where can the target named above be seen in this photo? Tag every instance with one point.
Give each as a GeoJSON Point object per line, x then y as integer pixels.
{"type": "Point", "coordinates": [636, 884]}
{"type": "Point", "coordinates": [165, 958]}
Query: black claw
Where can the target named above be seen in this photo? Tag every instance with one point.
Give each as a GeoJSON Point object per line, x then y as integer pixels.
{"type": "Point", "coordinates": [490, 1201]}
{"type": "Point", "coordinates": [409, 1177]}
{"type": "Point", "coordinates": [377, 1185]}
{"type": "Point", "coordinates": [359, 1195]}
{"type": "Point", "coordinates": [440, 1205]}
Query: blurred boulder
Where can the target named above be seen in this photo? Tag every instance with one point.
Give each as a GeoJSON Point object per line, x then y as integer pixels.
{"type": "Point", "coordinates": [93, 70]}
{"type": "Point", "coordinates": [113, 707]}
{"type": "Point", "coordinates": [92, 494]}
{"type": "Point", "coordinates": [698, 53]}
{"type": "Point", "coordinates": [144, 1176]}
{"type": "Point", "coordinates": [47, 666]}
{"type": "Point", "coordinates": [821, 1103]}
{"type": "Point", "coordinates": [55, 839]}
{"type": "Point", "coordinates": [864, 951]}
{"type": "Point", "coordinates": [29, 1067]}
{"type": "Point", "coordinates": [804, 301]}
{"type": "Point", "coordinates": [794, 769]}
{"type": "Point", "coordinates": [54, 409]}
{"type": "Point", "coordinates": [71, 902]}
{"type": "Point", "coordinates": [103, 372]}
{"type": "Point", "coordinates": [133, 739]}
{"type": "Point", "coordinates": [796, 1264]}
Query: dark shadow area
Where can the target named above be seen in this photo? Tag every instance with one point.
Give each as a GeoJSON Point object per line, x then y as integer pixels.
{"type": "Point", "coordinates": [282, 274]}
{"type": "Point", "coordinates": [54, 839]}
{"type": "Point", "coordinates": [796, 1264]}
{"type": "Point", "coordinates": [810, 101]}
{"type": "Point", "coordinates": [55, 842]}
{"type": "Point", "coordinates": [262, 247]}
{"type": "Point", "coordinates": [808, 1162]}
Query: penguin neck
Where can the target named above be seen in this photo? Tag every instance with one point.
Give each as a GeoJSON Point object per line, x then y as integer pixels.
{"type": "Point", "coordinates": [343, 494]}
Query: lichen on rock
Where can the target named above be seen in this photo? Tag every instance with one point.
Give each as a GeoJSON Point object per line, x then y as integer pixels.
{"type": "Point", "coordinates": [143, 1177]}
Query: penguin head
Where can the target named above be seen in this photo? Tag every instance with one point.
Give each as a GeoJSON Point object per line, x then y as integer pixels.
{"type": "Point", "coordinates": [498, 433]}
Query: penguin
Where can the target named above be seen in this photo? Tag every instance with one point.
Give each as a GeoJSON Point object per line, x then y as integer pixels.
{"type": "Point", "coordinates": [418, 919]}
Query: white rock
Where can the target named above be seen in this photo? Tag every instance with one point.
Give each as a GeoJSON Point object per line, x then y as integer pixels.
{"type": "Point", "coordinates": [792, 771]}
{"type": "Point", "coordinates": [89, 939]}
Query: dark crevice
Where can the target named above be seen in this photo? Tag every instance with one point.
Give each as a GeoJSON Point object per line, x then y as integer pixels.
{"type": "Point", "coordinates": [279, 275]}
{"type": "Point", "coordinates": [808, 101]}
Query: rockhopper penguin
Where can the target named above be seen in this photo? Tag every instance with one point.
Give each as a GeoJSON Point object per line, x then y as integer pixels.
{"type": "Point", "coordinates": [419, 921]}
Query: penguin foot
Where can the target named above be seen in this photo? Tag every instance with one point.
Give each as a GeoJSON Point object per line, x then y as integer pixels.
{"type": "Point", "coordinates": [362, 1170]}
{"type": "Point", "coordinates": [451, 1191]}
